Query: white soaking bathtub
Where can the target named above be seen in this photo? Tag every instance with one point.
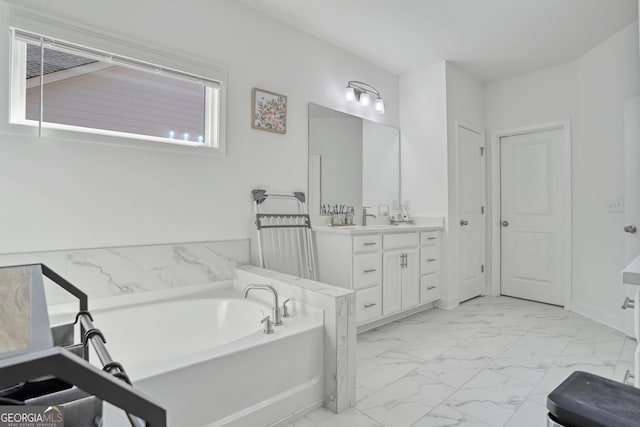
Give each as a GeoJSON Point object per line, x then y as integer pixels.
{"type": "Point", "coordinates": [205, 358]}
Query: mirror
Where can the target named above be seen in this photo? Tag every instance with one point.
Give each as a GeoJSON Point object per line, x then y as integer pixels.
{"type": "Point", "coordinates": [352, 161]}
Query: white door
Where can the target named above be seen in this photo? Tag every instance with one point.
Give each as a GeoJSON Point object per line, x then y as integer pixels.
{"type": "Point", "coordinates": [534, 235]}
{"type": "Point", "coordinates": [631, 195]}
{"type": "Point", "coordinates": [471, 222]}
{"type": "Point", "coordinates": [411, 279]}
{"type": "Point", "coordinates": [391, 281]}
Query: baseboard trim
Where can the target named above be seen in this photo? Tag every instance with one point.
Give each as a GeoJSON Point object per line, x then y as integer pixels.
{"type": "Point", "coordinates": [447, 304]}
{"type": "Point", "coordinates": [598, 315]}
{"type": "Point", "coordinates": [393, 317]}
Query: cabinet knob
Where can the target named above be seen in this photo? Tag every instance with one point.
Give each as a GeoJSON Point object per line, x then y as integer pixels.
{"type": "Point", "coordinates": [464, 222]}
{"type": "Point", "coordinates": [505, 223]}
{"type": "Point", "coordinates": [631, 229]}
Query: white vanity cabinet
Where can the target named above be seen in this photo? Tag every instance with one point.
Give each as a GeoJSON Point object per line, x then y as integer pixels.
{"type": "Point", "coordinates": [392, 269]}
{"type": "Point", "coordinates": [631, 278]}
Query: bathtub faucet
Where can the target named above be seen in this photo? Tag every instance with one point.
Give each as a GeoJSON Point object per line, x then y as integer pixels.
{"type": "Point", "coordinates": [276, 303]}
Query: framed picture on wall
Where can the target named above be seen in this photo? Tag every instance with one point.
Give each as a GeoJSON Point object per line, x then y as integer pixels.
{"type": "Point", "coordinates": [268, 111]}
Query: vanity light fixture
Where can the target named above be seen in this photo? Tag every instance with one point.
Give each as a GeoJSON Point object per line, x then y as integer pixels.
{"type": "Point", "coordinates": [361, 92]}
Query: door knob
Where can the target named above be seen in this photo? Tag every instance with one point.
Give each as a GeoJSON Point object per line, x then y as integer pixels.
{"type": "Point", "coordinates": [630, 229]}
{"type": "Point", "coordinates": [464, 222]}
{"type": "Point", "coordinates": [505, 223]}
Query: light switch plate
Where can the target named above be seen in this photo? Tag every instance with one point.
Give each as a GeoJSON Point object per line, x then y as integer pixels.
{"type": "Point", "coordinates": [615, 205]}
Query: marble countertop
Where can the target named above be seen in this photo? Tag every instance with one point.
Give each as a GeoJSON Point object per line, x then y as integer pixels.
{"type": "Point", "coordinates": [631, 273]}
{"type": "Point", "coordinates": [359, 229]}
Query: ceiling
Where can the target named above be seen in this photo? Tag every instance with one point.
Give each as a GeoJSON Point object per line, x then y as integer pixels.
{"type": "Point", "coordinates": [490, 39]}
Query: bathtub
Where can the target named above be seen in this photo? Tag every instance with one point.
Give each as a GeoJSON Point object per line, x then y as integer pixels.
{"type": "Point", "coordinates": [204, 357]}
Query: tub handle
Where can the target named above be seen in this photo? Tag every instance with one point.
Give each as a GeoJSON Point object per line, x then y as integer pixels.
{"type": "Point", "coordinates": [268, 325]}
{"type": "Point", "coordinates": [285, 309]}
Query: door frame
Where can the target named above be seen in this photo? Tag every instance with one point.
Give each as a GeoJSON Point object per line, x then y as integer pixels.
{"type": "Point", "coordinates": [483, 198]}
{"type": "Point", "coordinates": [495, 211]}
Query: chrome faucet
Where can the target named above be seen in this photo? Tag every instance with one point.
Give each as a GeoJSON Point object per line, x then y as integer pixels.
{"type": "Point", "coordinates": [277, 315]}
{"type": "Point", "coordinates": [365, 215]}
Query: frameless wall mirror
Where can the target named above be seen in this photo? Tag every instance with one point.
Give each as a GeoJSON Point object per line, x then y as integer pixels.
{"type": "Point", "coordinates": [352, 161]}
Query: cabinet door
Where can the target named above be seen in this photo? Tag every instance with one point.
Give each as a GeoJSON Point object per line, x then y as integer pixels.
{"type": "Point", "coordinates": [411, 279]}
{"type": "Point", "coordinates": [391, 282]}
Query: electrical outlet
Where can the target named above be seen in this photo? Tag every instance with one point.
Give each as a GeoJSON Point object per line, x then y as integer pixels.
{"type": "Point", "coordinates": [615, 205]}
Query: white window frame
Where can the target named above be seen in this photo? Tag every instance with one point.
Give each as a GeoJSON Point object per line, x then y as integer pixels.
{"type": "Point", "coordinates": [215, 97]}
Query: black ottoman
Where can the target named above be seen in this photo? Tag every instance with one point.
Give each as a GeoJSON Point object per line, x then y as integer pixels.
{"type": "Point", "coordinates": [588, 400]}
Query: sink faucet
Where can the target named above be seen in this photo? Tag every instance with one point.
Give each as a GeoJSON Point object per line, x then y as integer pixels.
{"type": "Point", "coordinates": [276, 303]}
{"type": "Point", "coordinates": [365, 215]}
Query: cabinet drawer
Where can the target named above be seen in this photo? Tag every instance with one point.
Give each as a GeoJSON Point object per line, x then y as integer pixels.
{"type": "Point", "coordinates": [429, 259]}
{"type": "Point", "coordinates": [429, 288]}
{"type": "Point", "coordinates": [429, 238]}
{"type": "Point", "coordinates": [370, 243]}
{"type": "Point", "coordinates": [400, 240]}
{"type": "Point", "coordinates": [367, 270]}
{"type": "Point", "coordinates": [368, 305]}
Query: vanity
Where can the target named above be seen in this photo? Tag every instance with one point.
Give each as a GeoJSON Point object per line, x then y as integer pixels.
{"type": "Point", "coordinates": [394, 269]}
{"type": "Point", "coordinates": [631, 278]}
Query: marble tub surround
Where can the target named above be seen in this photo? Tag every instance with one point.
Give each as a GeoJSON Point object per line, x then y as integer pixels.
{"type": "Point", "coordinates": [107, 272]}
{"type": "Point", "coordinates": [338, 305]}
{"type": "Point", "coordinates": [15, 308]}
{"type": "Point", "coordinates": [24, 323]}
{"type": "Point", "coordinates": [443, 368]}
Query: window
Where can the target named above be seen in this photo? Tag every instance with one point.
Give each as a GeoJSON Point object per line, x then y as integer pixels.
{"type": "Point", "coordinates": [60, 85]}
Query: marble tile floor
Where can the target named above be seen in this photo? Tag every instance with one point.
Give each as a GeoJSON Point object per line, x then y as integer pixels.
{"type": "Point", "coordinates": [490, 362]}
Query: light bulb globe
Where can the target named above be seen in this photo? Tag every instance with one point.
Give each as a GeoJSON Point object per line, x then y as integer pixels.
{"type": "Point", "coordinates": [349, 94]}
{"type": "Point", "coordinates": [365, 99]}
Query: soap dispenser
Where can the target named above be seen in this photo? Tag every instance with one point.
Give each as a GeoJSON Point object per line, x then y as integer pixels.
{"type": "Point", "coordinates": [404, 213]}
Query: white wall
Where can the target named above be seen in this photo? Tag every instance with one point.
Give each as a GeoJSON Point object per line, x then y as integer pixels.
{"type": "Point", "coordinates": [591, 92]}
{"type": "Point", "coordinates": [61, 194]}
{"type": "Point", "coordinates": [339, 141]}
{"type": "Point", "coordinates": [465, 104]}
{"type": "Point", "coordinates": [423, 123]}
{"type": "Point", "coordinates": [432, 99]}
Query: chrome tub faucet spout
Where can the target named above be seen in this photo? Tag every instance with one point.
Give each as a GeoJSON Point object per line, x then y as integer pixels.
{"type": "Point", "coordinates": [277, 314]}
